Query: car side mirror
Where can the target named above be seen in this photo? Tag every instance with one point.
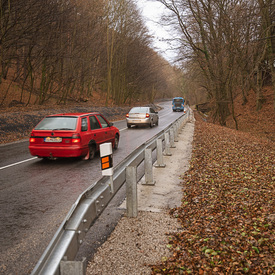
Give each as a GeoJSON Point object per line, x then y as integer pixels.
{"type": "Point", "coordinates": [111, 124]}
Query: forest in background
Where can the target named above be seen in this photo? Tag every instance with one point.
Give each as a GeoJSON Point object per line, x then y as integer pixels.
{"type": "Point", "coordinates": [69, 50]}
{"type": "Point", "coordinates": [57, 51]}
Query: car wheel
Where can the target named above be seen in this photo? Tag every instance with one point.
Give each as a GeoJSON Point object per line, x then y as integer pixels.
{"type": "Point", "coordinates": [91, 153]}
{"type": "Point", "coordinates": [129, 125]}
{"type": "Point", "coordinates": [157, 123]}
{"type": "Point", "coordinates": [116, 142]}
{"type": "Point", "coordinates": [151, 124]}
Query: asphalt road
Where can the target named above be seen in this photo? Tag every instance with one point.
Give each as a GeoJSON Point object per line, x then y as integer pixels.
{"type": "Point", "coordinates": [36, 195]}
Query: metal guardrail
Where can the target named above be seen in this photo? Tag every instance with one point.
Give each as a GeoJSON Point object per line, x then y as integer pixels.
{"type": "Point", "coordinates": [88, 207]}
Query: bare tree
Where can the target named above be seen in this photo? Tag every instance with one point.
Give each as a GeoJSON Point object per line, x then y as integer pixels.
{"type": "Point", "coordinates": [66, 50]}
{"type": "Point", "coordinates": [221, 36]}
{"type": "Point", "coordinates": [267, 35]}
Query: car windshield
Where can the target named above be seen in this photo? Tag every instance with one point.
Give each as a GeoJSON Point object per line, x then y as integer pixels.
{"type": "Point", "coordinates": [139, 110]}
{"type": "Point", "coordinates": [57, 123]}
{"type": "Point", "coordinates": [178, 100]}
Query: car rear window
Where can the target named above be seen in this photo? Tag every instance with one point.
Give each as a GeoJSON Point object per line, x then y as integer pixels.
{"type": "Point", "coordinates": [139, 110]}
{"type": "Point", "coordinates": [57, 123]}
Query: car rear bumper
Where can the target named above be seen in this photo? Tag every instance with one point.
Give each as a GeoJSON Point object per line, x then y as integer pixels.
{"type": "Point", "coordinates": [178, 109]}
{"type": "Point", "coordinates": [59, 152]}
{"type": "Point", "coordinates": [138, 121]}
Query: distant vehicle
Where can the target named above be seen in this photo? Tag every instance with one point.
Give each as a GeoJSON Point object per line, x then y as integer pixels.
{"type": "Point", "coordinates": [142, 116]}
{"type": "Point", "coordinates": [72, 135]}
{"type": "Point", "coordinates": [178, 104]}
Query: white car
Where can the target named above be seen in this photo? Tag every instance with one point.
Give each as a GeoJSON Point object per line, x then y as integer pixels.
{"type": "Point", "coordinates": [142, 116]}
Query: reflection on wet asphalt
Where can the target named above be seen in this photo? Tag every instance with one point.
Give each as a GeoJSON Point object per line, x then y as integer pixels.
{"type": "Point", "coordinates": [36, 196]}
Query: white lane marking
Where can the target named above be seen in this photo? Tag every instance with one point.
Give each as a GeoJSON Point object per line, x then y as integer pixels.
{"type": "Point", "coordinates": [16, 163]}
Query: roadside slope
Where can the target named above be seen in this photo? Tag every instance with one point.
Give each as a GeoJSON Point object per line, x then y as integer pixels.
{"type": "Point", "coordinates": [228, 209]}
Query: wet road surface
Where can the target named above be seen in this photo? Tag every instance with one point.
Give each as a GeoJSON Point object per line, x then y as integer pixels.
{"type": "Point", "coordinates": [36, 195]}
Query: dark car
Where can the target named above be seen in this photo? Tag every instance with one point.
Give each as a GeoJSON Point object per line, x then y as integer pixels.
{"type": "Point", "coordinates": [142, 116]}
{"type": "Point", "coordinates": [72, 135]}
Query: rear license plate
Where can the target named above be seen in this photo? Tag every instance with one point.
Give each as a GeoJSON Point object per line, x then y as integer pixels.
{"type": "Point", "coordinates": [51, 139]}
{"type": "Point", "coordinates": [137, 116]}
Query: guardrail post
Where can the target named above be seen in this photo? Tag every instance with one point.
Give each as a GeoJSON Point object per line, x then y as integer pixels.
{"type": "Point", "coordinates": [148, 167]}
{"type": "Point", "coordinates": [189, 117]}
{"type": "Point", "coordinates": [172, 144]}
{"type": "Point", "coordinates": [73, 267]}
{"type": "Point", "coordinates": [167, 145]}
{"type": "Point", "coordinates": [176, 132]}
{"type": "Point", "coordinates": [159, 154]}
{"type": "Point", "coordinates": [131, 192]}
{"type": "Point", "coordinates": [181, 124]}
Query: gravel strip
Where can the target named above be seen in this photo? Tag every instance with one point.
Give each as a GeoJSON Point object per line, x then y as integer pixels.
{"type": "Point", "coordinates": [135, 243]}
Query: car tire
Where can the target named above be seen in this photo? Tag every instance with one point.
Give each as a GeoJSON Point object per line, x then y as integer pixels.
{"type": "Point", "coordinates": [151, 124]}
{"type": "Point", "coordinates": [129, 125]}
{"type": "Point", "coordinates": [116, 141]}
{"type": "Point", "coordinates": [91, 153]}
{"type": "Point", "coordinates": [92, 150]}
{"type": "Point", "coordinates": [157, 123]}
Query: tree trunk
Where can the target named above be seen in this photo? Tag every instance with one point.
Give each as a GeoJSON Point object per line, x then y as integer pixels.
{"type": "Point", "coordinates": [259, 92]}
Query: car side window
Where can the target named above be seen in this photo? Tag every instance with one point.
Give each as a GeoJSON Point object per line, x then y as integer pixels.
{"type": "Point", "coordinates": [94, 123]}
{"type": "Point", "coordinates": [102, 121]}
{"type": "Point", "coordinates": [152, 110]}
{"type": "Point", "coordinates": [84, 124]}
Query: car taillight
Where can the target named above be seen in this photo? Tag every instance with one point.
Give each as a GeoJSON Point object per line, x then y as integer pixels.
{"type": "Point", "coordinates": [76, 138]}
{"type": "Point", "coordinates": [147, 115]}
{"type": "Point", "coordinates": [127, 115]}
{"type": "Point", "coordinates": [32, 138]}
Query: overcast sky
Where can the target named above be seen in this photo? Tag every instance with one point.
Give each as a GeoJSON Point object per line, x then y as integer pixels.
{"type": "Point", "coordinates": [152, 12]}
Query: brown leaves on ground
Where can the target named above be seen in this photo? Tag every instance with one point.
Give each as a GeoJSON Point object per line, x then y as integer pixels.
{"type": "Point", "coordinates": [227, 212]}
{"type": "Point", "coordinates": [259, 123]}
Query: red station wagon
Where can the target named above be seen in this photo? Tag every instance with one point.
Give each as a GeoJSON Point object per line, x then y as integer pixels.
{"type": "Point", "coordinates": [72, 135]}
